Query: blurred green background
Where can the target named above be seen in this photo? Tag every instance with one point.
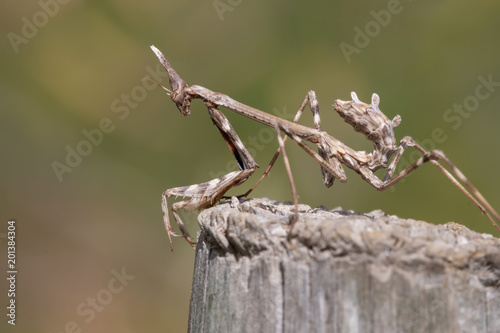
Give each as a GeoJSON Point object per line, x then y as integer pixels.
{"type": "Point", "coordinates": [67, 67]}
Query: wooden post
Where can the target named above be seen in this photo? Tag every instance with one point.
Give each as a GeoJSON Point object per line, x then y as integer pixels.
{"type": "Point", "coordinates": [340, 272]}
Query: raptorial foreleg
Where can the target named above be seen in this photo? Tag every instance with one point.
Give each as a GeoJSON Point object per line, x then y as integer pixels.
{"type": "Point", "coordinates": [207, 194]}
{"type": "Point", "coordinates": [202, 196]}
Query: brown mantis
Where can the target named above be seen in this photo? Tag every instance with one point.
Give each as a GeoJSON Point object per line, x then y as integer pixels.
{"type": "Point", "coordinates": [332, 153]}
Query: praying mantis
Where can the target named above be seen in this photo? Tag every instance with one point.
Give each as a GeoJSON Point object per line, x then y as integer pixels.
{"type": "Point", "coordinates": [331, 153]}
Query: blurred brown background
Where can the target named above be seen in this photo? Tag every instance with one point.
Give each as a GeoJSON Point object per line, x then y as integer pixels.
{"type": "Point", "coordinates": [67, 67]}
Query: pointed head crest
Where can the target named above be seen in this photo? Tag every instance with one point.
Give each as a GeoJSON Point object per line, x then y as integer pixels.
{"type": "Point", "coordinates": [178, 94]}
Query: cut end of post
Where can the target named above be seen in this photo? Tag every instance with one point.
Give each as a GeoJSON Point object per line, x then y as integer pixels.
{"type": "Point", "coordinates": [341, 271]}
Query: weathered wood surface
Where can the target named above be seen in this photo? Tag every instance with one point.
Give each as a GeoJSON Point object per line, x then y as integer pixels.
{"type": "Point", "coordinates": [340, 272]}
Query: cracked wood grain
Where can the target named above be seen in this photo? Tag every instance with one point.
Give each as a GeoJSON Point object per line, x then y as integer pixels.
{"type": "Point", "coordinates": [340, 272]}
